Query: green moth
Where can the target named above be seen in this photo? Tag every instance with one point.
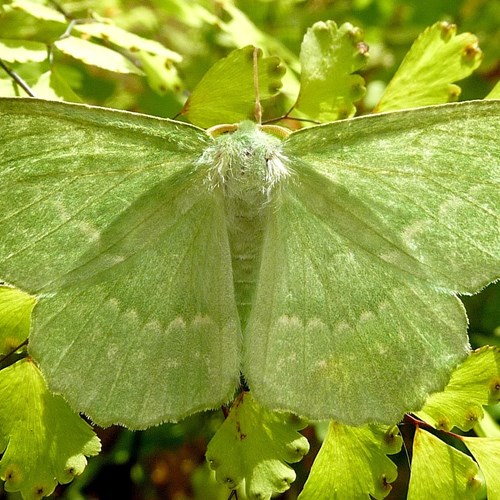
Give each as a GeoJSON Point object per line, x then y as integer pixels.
{"type": "Point", "coordinates": [323, 266]}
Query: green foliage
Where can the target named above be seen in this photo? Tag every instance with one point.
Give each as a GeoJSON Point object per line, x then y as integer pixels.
{"type": "Point", "coordinates": [43, 442]}
{"type": "Point", "coordinates": [457, 476]}
{"type": "Point", "coordinates": [156, 61]}
{"type": "Point", "coordinates": [22, 51]}
{"type": "Point", "coordinates": [487, 454]}
{"type": "Point", "coordinates": [353, 463]}
{"type": "Point", "coordinates": [96, 55]}
{"type": "Point", "coordinates": [328, 57]}
{"type": "Point", "coordinates": [436, 59]}
{"type": "Point", "coordinates": [393, 211]}
{"type": "Point", "coordinates": [208, 106]}
{"type": "Point", "coordinates": [254, 446]}
{"type": "Point", "coordinates": [15, 312]}
{"type": "Point", "coordinates": [473, 384]}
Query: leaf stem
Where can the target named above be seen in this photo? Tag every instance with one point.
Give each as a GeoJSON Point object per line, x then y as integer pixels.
{"type": "Point", "coordinates": [17, 79]}
{"type": "Point", "coordinates": [25, 342]}
{"type": "Point", "coordinates": [417, 422]}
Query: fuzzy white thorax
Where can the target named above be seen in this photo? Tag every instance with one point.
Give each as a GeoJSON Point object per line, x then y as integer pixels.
{"type": "Point", "coordinates": [248, 163]}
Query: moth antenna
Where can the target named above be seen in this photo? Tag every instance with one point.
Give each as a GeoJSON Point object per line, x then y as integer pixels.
{"type": "Point", "coordinates": [17, 79]}
{"type": "Point", "coordinates": [258, 107]}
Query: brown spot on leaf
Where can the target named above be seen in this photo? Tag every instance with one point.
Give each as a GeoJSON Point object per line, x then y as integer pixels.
{"type": "Point", "coordinates": [448, 30]}
{"type": "Point", "coordinates": [471, 52]}
{"type": "Point", "coordinates": [362, 48]}
{"type": "Point", "coordinates": [385, 484]}
{"type": "Point", "coordinates": [495, 389]}
{"type": "Point", "coordinates": [443, 424]}
{"type": "Point", "coordinates": [343, 113]}
{"type": "Point", "coordinates": [241, 435]}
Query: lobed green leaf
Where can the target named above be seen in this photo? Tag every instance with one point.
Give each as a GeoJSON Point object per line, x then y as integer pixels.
{"type": "Point", "coordinates": [96, 55]}
{"type": "Point", "coordinates": [352, 463]}
{"type": "Point", "coordinates": [475, 383]}
{"type": "Point", "coordinates": [22, 51]}
{"type": "Point", "coordinates": [255, 446]}
{"type": "Point", "coordinates": [238, 30]}
{"type": "Point", "coordinates": [42, 440]}
{"type": "Point", "coordinates": [436, 59]}
{"type": "Point", "coordinates": [15, 312]}
{"type": "Point", "coordinates": [208, 106]}
{"type": "Point", "coordinates": [440, 471]}
{"type": "Point", "coordinates": [486, 451]}
{"type": "Point", "coordinates": [329, 56]}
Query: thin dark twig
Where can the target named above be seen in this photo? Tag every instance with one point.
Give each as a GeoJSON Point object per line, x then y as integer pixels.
{"type": "Point", "coordinates": [25, 342]}
{"type": "Point", "coordinates": [233, 494]}
{"type": "Point", "coordinates": [17, 79]}
{"type": "Point", "coordinates": [60, 8]}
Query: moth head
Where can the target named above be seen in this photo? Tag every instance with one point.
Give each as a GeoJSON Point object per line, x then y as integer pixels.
{"type": "Point", "coordinates": [246, 161]}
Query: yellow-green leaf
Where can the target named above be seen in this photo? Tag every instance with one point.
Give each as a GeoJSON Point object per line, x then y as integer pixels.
{"type": "Point", "coordinates": [486, 451]}
{"type": "Point", "coordinates": [352, 463]}
{"type": "Point", "coordinates": [438, 58]}
{"type": "Point", "coordinates": [38, 10]}
{"type": "Point", "coordinates": [255, 446]}
{"type": "Point", "coordinates": [475, 383]}
{"type": "Point", "coordinates": [96, 55]}
{"type": "Point", "coordinates": [22, 51]}
{"type": "Point", "coordinates": [126, 40]}
{"type": "Point", "coordinates": [440, 471]}
{"type": "Point", "coordinates": [208, 105]}
{"type": "Point", "coordinates": [161, 74]}
{"type": "Point", "coordinates": [15, 312]}
{"type": "Point", "coordinates": [329, 56]}
{"type": "Point", "coordinates": [495, 92]}
{"type": "Point", "coordinates": [487, 426]}
{"type": "Point", "coordinates": [51, 86]}
{"type": "Point", "coordinates": [42, 440]}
